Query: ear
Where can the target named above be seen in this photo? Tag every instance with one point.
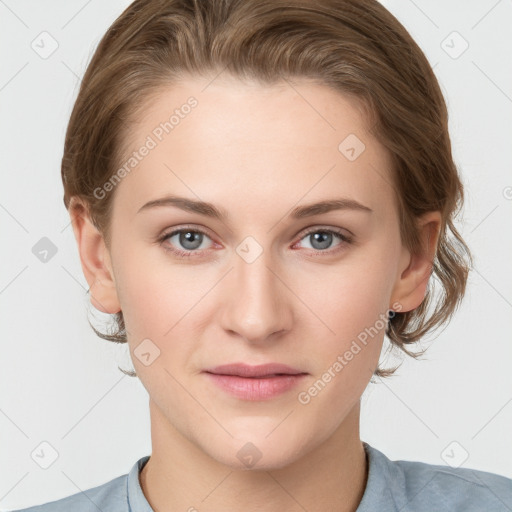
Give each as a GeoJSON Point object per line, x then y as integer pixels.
{"type": "Point", "coordinates": [415, 269]}
{"type": "Point", "coordinates": [95, 259]}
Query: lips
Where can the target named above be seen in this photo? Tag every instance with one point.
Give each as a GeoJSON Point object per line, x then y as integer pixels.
{"type": "Point", "coordinates": [261, 382]}
{"type": "Point", "coordinates": [257, 372]}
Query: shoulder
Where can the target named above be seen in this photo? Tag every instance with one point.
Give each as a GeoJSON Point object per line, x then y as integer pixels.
{"type": "Point", "coordinates": [421, 487]}
{"type": "Point", "coordinates": [456, 488]}
{"type": "Point", "coordinates": [108, 497]}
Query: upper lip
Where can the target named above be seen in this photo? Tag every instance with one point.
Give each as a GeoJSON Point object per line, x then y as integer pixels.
{"type": "Point", "coordinates": [262, 370]}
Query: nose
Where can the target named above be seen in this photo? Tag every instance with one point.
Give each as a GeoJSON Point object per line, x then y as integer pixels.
{"type": "Point", "coordinates": [258, 303]}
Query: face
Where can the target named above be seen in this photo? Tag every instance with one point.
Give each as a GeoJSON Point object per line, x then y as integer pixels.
{"type": "Point", "coordinates": [266, 281]}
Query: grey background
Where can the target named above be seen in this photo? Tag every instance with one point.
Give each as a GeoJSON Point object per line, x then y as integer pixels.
{"type": "Point", "coordinates": [60, 384]}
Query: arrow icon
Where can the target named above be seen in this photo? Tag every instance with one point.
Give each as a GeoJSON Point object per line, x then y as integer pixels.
{"type": "Point", "coordinates": [249, 454]}
{"type": "Point", "coordinates": [147, 352]}
{"type": "Point", "coordinates": [44, 455]}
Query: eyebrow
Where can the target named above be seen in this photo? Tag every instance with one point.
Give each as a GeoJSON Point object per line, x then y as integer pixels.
{"type": "Point", "coordinates": [209, 210]}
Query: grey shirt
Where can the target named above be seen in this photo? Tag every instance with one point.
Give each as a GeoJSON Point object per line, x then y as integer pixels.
{"type": "Point", "coordinates": [392, 486]}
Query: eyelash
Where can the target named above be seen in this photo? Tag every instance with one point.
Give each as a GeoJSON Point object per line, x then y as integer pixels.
{"type": "Point", "coordinates": [197, 252]}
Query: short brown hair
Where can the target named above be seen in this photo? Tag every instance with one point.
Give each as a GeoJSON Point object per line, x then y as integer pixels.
{"type": "Point", "coordinates": [354, 46]}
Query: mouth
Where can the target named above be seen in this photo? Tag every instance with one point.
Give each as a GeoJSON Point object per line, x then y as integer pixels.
{"type": "Point", "coordinates": [261, 382]}
{"type": "Point", "coordinates": [258, 371]}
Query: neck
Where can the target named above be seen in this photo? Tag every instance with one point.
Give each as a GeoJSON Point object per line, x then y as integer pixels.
{"type": "Point", "coordinates": [180, 476]}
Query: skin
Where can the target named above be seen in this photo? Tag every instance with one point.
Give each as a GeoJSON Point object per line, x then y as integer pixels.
{"type": "Point", "coordinates": [256, 152]}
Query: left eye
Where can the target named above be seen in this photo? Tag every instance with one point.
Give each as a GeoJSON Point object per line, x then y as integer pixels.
{"type": "Point", "coordinates": [321, 239]}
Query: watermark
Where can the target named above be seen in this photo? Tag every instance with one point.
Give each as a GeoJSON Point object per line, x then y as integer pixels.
{"type": "Point", "coordinates": [249, 454]}
{"type": "Point", "coordinates": [454, 45]}
{"type": "Point", "coordinates": [44, 45]}
{"type": "Point", "coordinates": [304, 397]}
{"type": "Point", "coordinates": [157, 135]}
{"type": "Point", "coordinates": [146, 352]}
{"type": "Point", "coordinates": [44, 250]}
{"type": "Point", "coordinates": [455, 454]}
{"type": "Point", "coordinates": [351, 147]}
{"type": "Point", "coordinates": [249, 249]}
{"type": "Point", "coordinates": [44, 455]}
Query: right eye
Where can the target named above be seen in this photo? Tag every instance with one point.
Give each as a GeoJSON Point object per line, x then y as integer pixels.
{"type": "Point", "coordinates": [190, 239]}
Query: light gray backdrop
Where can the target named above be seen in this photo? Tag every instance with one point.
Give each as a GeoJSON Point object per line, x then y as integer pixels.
{"type": "Point", "coordinates": [63, 402]}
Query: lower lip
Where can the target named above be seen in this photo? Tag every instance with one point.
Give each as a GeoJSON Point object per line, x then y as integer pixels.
{"type": "Point", "coordinates": [255, 388]}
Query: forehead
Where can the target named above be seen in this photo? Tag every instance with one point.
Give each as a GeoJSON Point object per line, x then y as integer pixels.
{"type": "Point", "coordinates": [232, 142]}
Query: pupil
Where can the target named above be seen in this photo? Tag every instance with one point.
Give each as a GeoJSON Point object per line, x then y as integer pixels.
{"type": "Point", "coordinates": [323, 239]}
{"type": "Point", "coordinates": [190, 237]}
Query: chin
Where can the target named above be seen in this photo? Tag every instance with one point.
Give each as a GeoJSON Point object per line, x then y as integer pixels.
{"type": "Point", "coordinates": [257, 452]}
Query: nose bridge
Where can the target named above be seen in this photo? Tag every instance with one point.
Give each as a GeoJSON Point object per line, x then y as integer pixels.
{"type": "Point", "coordinates": [256, 307]}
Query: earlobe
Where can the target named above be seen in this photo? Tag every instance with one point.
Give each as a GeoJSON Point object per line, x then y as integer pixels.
{"type": "Point", "coordinates": [95, 259]}
{"type": "Point", "coordinates": [415, 269]}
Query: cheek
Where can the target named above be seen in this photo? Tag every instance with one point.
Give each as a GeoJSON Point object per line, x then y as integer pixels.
{"type": "Point", "coordinates": [163, 302]}
{"type": "Point", "coordinates": [349, 300]}
{"type": "Point", "coordinates": [155, 293]}
{"type": "Point", "coordinates": [354, 307]}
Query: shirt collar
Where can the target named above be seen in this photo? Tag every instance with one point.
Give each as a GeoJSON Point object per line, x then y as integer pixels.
{"type": "Point", "coordinates": [384, 479]}
{"type": "Point", "coordinates": [137, 502]}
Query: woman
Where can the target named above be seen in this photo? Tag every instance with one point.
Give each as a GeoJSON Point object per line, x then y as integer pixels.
{"type": "Point", "coordinates": [260, 191]}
